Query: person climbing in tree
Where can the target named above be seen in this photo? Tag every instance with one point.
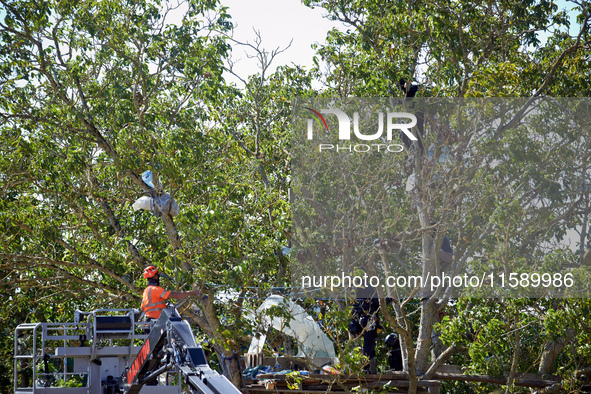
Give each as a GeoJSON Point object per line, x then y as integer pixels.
{"type": "Point", "coordinates": [366, 321]}
{"type": "Point", "coordinates": [410, 90]}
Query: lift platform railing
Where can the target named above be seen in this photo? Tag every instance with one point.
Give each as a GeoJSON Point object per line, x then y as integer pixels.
{"type": "Point", "coordinates": [110, 352]}
{"type": "Point", "coordinates": [44, 352]}
{"type": "Point", "coordinates": [35, 362]}
{"type": "Point", "coordinates": [114, 324]}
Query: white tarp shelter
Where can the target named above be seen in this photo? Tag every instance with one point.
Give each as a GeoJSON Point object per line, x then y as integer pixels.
{"type": "Point", "coordinates": [312, 341]}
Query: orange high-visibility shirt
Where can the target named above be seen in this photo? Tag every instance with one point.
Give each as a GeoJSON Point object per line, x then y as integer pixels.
{"type": "Point", "coordinates": [153, 301]}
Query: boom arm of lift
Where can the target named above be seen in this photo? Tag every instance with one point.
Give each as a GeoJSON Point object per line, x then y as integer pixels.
{"type": "Point", "coordinates": [171, 346]}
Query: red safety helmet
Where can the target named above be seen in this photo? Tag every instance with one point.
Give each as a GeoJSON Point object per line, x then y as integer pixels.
{"type": "Point", "coordinates": [150, 272]}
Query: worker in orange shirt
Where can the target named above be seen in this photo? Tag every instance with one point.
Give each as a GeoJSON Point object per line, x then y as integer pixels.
{"type": "Point", "coordinates": [154, 300]}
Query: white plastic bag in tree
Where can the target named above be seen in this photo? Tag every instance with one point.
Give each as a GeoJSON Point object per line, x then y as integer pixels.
{"type": "Point", "coordinates": [164, 203]}
{"type": "Point", "coordinates": [143, 203]}
{"type": "Point", "coordinates": [157, 205]}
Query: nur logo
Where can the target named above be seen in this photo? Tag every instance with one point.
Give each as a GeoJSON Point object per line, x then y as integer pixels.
{"type": "Point", "coordinates": [392, 123]}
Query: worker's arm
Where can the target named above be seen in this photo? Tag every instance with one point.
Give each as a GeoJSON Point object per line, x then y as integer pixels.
{"type": "Point", "coordinates": [177, 295]}
{"type": "Point", "coordinates": [446, 253]}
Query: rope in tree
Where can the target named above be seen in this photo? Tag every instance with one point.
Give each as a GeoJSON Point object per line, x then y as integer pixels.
{"type": "Point", "coordinates": [229, 361]}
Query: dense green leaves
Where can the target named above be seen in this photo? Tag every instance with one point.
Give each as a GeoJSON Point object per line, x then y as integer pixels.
{"type": "Point", "coordinates": [95, 93]}
{"type": "Point", "coordinates": [508, 197]}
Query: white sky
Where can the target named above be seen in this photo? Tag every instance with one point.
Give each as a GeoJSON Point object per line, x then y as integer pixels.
{"type": "Point", "coordinates": [279, 21]}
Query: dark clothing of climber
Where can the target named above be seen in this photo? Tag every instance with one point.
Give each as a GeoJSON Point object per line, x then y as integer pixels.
{"type": "Point", "coordinates": [446, 255]}
{"type": "Point", "coordinates": [409, 93]}
{"type": "Point", "coordinates": [366, 322]}
{"type": "Point", "coordinates": [395, 353]}
{"type": "Point", "coordinates": [366, 313]}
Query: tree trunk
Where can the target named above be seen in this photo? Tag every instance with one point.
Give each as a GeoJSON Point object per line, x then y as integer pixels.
{"type": "Point", "coordinates": [402, 326]}
{"type": "Point", "coordinates": [516, 349]}
{"type": "Point", "coordinates": [230, 363]}
{"type": "Point", "coordinates": [428, 304]}
{"type": "Point", "coordinates": [552, 351]}
{"type": "Point", "coordinates": [424, 338]}
{"type": "Point", "coordinates": [404, 346]}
